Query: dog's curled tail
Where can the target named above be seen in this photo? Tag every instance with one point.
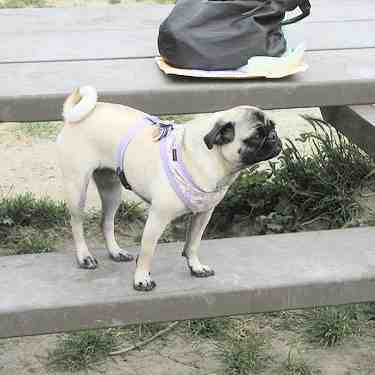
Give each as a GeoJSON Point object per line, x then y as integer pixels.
{"type": "Point", "coordinates": [79, 104]}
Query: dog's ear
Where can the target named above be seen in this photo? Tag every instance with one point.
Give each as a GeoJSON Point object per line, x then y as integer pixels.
{"type": "Point", "coordinates": [221, 134]}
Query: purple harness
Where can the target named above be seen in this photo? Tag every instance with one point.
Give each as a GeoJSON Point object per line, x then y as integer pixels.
{"type": "Point", "coordinates": [194, 198]}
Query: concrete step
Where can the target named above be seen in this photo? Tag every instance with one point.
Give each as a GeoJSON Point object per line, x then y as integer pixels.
{"type": "Point", "coordinates": [47, 293]}
{"type": "Point", "coordinates": [357, 122]}
{"type": "Point", "coordinates": [36, 91]}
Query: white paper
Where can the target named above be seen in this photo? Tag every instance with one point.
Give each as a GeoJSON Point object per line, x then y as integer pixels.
{"type": "Point", "coordinates": [259, 66]}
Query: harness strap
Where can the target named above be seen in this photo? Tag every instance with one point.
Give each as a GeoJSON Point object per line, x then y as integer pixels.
{"type": "Point", "coordinates": [172, 161]}
{"type": "Point", "coordinates": [182, 168]}
{"type": "Point", "coordinates": [132, 133]}
{"type": "Point", "coordinates": [175, 185]}
{"type": "Point", "coordinates": [170, 151]}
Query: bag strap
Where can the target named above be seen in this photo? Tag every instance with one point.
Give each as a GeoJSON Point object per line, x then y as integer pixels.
{"type": "Point", "coordinates": [305, 7]}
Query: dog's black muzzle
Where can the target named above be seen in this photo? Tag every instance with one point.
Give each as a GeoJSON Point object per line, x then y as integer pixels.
{"type": "Point", "coordinates": [269, 148]}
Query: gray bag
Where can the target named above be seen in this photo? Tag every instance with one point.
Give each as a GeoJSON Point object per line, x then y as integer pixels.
{"type": "Point", "coordinates": [224, 34]}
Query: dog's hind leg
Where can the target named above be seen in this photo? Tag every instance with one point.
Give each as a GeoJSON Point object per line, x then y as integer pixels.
{"type": "Point", "coordinates": [109, 188]}
{"type": "Point", "coordinates": [197, 225]}
{"type": "Point", "coordinates": [76, 191]}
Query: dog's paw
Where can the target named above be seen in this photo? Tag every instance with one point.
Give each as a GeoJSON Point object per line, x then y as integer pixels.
{"type": "Point", "coordinates": [88, 263]}
{"type": "Point", "coordinates": [202, 271]}
{"type": "Point", "coordinates": [144, 283]}
{"type": "Point", "coordinates": [122, 256]}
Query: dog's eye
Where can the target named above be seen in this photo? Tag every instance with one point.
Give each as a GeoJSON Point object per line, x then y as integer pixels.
{"type": "Point", "coordinates": [248, 142]}
{"type": "Point", "coordinates": [261, 132]}
{"type": "Point", "coordinates": [252, 141]}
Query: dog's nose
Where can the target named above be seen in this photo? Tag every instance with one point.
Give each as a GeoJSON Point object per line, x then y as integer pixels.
{"type": "Point", "coordinates": [272, 137]}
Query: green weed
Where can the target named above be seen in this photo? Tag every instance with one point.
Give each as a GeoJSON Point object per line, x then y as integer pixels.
{"type": "Point", "coordinates": [295, 366]}
{"type": "Point", "coordinates": [330, 325]}
{"type": "Point", "coordinates": [30, 225]}
{"type": "Point", "coordinates": [300, 190]}
{"type": "Point", "coordinates": [26, 210]}
{"type": "Point", "coordinates": [368, 310]}
{"type": "Point", "coordinates": [209, 328]}
{"type": "Point", "coordinates": [129, 212]}
{"type": "Point", "coordinates": [29, 240]}
{"type": "Point", "coordinates": [243, 355]}
{"type": "Point", "coordinates": [132, 335]}
{"type": "Point", "coordinates": [292, 321]}
{"type": "Point", "coordinates": [179, 119]}
{"type": "Point", "coordinates": [81, 351]}
{"type": "Point", "coordinates": [41, 130]}
{"type": "Point", "coordinates": [22, 3]}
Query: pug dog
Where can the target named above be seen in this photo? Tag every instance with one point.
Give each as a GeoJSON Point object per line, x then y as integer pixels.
{"type": "Point", "coordinates": [212, 149]}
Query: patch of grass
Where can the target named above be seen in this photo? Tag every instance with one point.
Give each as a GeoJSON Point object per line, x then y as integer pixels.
{"type": "Point", "coordinates": [126, 213]}
{"type": "Point", "coordinates": [330, 325]}
{"type": "Point", "coordinates": [322, 184]}
{"type": "Point", "coordinates": [88, 350]}
{"type": "Point", "coordinates": [134, 334]}
{"type": "Point", "coordinates": [41, 130]}
{"type": "Point", "coordinates": [28, 240]}
{"type": "Point", "coordinates": [295, 365]}
{"type": "Point", "coordinates": [252, 194]}
{"type": "Point", "coordinates": [28, 225]}
{"type": "Point", "coordinates": [145, 330]}
{"type": "Point", "coordinates": [26, 210]}
{"type": "Point", "coordinates": [300, 190]}
{"type": "Point", "coordinates": [179, 119]}
{"type": "Point", "coordinates": [292, 321]}
{"type": "Point", "coordinates": [129, 211]}
{"type": "Point", "coordinates": [244, 355]}
{"type": "Point", "coordinates": [81, 351]}
{"type": "Point", "coordinates": [368, 310]}
{"type": "Point", "coordinates": [129, 221]}
{"type": "Point", "coordinates": [22, 3]}
{"type": "Point", "coordinates": [209, 328]}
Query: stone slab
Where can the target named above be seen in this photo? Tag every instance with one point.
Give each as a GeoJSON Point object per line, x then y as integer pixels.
{"type": "Point", "coordinates": [335, 78]}
{"type": "Point", "coordinates": [131, 32]}
{"type": "Point", "coordinates": [355, 122]}
{"type": "Point", "coordinates": [47, 293]}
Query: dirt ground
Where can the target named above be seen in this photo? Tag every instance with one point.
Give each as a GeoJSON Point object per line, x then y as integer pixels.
{"type": "Point", "coordinates": [182, 354]}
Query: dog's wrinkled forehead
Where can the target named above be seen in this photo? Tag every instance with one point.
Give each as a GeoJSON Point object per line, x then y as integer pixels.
{"type": "Point", "coordinates": [262, 122]}
{"type": "Point", "coordinates": [248, 119]}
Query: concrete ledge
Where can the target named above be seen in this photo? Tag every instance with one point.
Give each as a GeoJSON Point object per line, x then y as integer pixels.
{"type": "Point", "coordinates": [35, 92]}
{"type": "Point", "coordinates": [47, 293]}
{"type": "Point", "coordinates": [356, 122]}
{"type": "Point", "coordinates": [131, 31]}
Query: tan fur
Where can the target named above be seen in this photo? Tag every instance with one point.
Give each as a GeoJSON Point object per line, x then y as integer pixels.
{"type": "Point", "coordinates": [89, 149]}
{"type": "Point", "coordinates": [73, 99]}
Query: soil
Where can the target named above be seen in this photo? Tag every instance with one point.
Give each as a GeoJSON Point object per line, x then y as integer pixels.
{"type": "Point", "coordinates": [180, 353]}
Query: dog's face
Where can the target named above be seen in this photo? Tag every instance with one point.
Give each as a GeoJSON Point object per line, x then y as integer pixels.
{"type": "Point", "coordinates": [244, 136]}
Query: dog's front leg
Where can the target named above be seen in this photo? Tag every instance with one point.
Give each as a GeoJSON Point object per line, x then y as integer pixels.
{"type": "Point", "coordinates": [155, 225]}
{"type": "Point", "coordinates": [196, 227]}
